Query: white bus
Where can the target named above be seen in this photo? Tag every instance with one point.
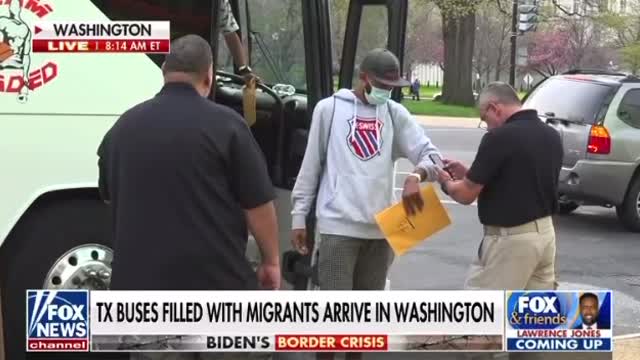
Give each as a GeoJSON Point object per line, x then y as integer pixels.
{"type": "Point", "coordinates": [56, 108]}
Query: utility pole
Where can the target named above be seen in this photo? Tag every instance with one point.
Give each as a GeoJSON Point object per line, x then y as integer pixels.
{"type": "Point", "coordinates": [514, 37]}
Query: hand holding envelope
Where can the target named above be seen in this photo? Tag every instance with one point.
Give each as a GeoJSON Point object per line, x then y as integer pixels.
{"type": "Point", "coordinates": [403, 231]}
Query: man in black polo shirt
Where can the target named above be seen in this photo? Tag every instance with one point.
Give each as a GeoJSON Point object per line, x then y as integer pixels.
{"type": "Point", "coordinates": [515, 178]}
{"type": "Point", "coordinates": [185, 178]}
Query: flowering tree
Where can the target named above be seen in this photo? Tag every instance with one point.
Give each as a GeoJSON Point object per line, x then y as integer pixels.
{"type": "Point", "coordinates": [549, 52]}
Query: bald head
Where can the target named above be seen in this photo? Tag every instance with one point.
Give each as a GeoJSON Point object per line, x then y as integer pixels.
{"type": "Point", "coordinates": [497, 102]}
{"type": "Point", "coordinates": [501, 93]}
{"type": "Point", "coordinates": [190, 59]}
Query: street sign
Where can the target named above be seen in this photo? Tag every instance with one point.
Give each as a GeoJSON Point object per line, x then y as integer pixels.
{"type": "Point", "coordinates": [522, 56]}
{"type": "Point", "coordinates": [528, 79]}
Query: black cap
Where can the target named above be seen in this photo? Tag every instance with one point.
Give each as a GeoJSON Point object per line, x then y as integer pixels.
{"type": "Point", "coordinates": [384, 67]}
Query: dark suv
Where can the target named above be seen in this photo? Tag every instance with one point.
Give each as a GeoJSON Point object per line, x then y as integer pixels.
{"type": "Point", "coordinates": [598, 116]}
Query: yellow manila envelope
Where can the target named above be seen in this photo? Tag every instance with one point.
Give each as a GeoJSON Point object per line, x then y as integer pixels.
{"type": "Point", "coordinates": [404, 232]}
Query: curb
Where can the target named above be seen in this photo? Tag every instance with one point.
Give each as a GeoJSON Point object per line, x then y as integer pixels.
{"type": "Point", "coordinates": [442, 121]}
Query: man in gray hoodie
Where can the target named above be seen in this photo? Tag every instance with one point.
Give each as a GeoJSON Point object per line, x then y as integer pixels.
{"type": "Point", "coordinates": [354, 140]}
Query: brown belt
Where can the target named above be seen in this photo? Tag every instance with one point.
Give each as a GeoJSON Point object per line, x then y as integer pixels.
{"type": "Point", "coordinates": [539, 225]}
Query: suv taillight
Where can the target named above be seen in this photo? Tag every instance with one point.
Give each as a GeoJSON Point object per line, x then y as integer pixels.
{"type": "Point", "coordinates": [599, 140]}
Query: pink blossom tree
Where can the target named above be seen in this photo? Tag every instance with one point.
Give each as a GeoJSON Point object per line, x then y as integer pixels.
{"type": "Point", "coordinates": [549, 52]}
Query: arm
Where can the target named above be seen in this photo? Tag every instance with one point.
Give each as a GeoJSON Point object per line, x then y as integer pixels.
{"type": "Point", "coordinates": [103, 189]}
{"type": "Point", "coordinates": [263, 224]}
{"type": "Point", "coordinates": [305, 190]}
{"type": "Point", "coordinates": [234, 44]}
{"type": "Point", "coordinates": [252, 188]}
{"type": "Point", "coordinates": [490, 157]}
{"type": "Point", "coordinates": [229, 28]}
{"type": "Point", "coordinates": [462, 191]}
{"type": "Point", "coordinates": [411, 142]}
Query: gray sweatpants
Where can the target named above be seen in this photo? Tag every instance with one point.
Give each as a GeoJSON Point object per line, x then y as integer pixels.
{"type": "Point", "coordinates": [346, 263]}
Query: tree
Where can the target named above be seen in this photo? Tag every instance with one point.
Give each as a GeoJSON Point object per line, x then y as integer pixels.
{"type": "Point", "coordinates": [549, 52]}
{"type": "Point", "coordinates": [491, 44]}
{"type": "Point", "coordinates": [423, 35]}
{"type": "Point", "coordinates": [458, 33]}
{"type": "Point", "coordinates": [631, 57]}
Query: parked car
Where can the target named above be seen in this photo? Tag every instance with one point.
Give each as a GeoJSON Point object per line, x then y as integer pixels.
{"type": "Point", "coordinates": [597, 114]}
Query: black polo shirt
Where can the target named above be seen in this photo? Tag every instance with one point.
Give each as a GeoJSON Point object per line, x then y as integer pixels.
{"type": "Point", "coordinates": [178, 170]}
{"type": "Point", "coordinates": [518, 164]}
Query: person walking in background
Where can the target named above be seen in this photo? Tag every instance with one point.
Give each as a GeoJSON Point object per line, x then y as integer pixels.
{"type": "Point", "coordinates": [515, 179]}
{"type": "Point", "coordinates": [415, 90]}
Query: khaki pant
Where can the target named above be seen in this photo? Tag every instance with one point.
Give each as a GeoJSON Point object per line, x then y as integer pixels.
{"type": "Point", "coordinates": [519, 258]}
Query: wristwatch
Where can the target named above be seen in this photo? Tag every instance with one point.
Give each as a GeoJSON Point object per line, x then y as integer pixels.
{"type": "Point", "coordinates": [245, 69]}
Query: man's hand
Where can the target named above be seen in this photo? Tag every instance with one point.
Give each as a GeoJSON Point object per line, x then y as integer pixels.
{"type": "Point", "coordinates": [443, 176]}
{"type": "Point", "coordinates": [299, 241]}
{"type": "Point", "coordinates": [269, 276]}
{"type": "Point", "coordinates": [249, 76]}
{"type": "Point", "coordinates": [411, 197]}
{"type": "Point", "coordinates": [457, 170]}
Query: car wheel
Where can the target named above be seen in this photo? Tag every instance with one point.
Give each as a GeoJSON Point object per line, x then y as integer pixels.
{"type": "Point", "coordinates": [629, 211]}
{"type": "Point", "coordinates": [58, 244]}
{"type": "Point", "coordinates": [567, 207]}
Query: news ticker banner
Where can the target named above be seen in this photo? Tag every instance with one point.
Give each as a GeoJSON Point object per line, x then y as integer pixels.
{"type": "Point", "coordinates": [298, 321]}
{"type": "Point", "coordinates": [101, 37]}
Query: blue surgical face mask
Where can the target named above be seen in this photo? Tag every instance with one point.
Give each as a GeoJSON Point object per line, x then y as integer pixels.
{"type": "Point", "coordinates": [377, 96]}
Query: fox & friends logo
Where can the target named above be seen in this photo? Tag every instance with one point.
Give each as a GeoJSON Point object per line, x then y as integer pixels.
{"type": "Point", "coordinates": [57, 320]}
{"type": "Point", "coordinates": [559, 320]}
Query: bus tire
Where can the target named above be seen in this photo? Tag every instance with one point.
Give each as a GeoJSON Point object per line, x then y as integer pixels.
{"type": "Point", "coordinates": [52, 226]}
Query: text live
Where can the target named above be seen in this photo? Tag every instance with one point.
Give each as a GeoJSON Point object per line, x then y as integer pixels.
{"type": "Point", "coordinates": [102, 46]}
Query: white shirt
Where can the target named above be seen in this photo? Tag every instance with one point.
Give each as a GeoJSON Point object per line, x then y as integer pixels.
{"type": "Point", "coordinates": [592, 327]}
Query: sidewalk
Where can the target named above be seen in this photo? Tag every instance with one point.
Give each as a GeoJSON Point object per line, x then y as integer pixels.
{"type": "Point", "coordinates": [626, 348]}
{"type": "Point", "coordinates": [441, 121]}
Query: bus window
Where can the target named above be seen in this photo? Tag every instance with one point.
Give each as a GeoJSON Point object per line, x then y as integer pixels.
{"type": "Point", "coordinates": [374, 33]}
{"type": "Point", "coordinates": [277, 47]}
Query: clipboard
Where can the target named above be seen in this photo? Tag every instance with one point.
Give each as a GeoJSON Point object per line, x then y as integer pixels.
{"type": "Point", "coordinates": [405, 232]}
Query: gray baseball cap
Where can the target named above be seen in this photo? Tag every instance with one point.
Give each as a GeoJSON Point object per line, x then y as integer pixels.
{"type": "Point", "coordinates": [384, 67]}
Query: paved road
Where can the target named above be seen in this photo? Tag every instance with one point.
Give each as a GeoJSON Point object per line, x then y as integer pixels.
{"type": "Point", "coordinates": [594, 251]}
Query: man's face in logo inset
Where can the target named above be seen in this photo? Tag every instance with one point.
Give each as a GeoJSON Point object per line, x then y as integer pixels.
{"type": "Point", "coordinates": [589, 309]}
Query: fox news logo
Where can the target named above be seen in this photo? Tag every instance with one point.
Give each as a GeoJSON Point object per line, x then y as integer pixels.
{"type": "Point", "coordinates": [57, 320]}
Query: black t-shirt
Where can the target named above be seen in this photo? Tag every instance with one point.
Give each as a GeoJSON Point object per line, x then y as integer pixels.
{"type": "Point", "coordinates": [518, 164]}
{"type": "Point", "coordinates": [178, 170]}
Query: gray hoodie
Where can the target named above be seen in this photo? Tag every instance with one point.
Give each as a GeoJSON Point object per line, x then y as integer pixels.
{"type": "Point", "coordinates": [353, 161]}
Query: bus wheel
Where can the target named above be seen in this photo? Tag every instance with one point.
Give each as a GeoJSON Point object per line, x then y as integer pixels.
{"type": "Point", "coordinates": [61, 242]}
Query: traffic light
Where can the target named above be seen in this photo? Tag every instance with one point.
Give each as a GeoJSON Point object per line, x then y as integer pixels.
{"type": "Point", "coordinates": [528, 15]}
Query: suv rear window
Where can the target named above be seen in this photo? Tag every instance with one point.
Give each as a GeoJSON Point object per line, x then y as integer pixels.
{"type": "Point", "coordinates": [570, 99]}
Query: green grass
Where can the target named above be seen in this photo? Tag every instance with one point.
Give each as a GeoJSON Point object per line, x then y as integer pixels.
{"type": "Point", "coordinates": [426, 106]}
{"type": "Point", "coordinates": [435, 108]}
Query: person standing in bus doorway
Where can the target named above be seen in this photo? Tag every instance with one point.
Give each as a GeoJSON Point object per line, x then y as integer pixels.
{"type": "Point", "coordinates": [229, 28]}
{"type": "Point", "coordinates": [184, 179]}
{"type": "Point", "coordinates": [355, 137]}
